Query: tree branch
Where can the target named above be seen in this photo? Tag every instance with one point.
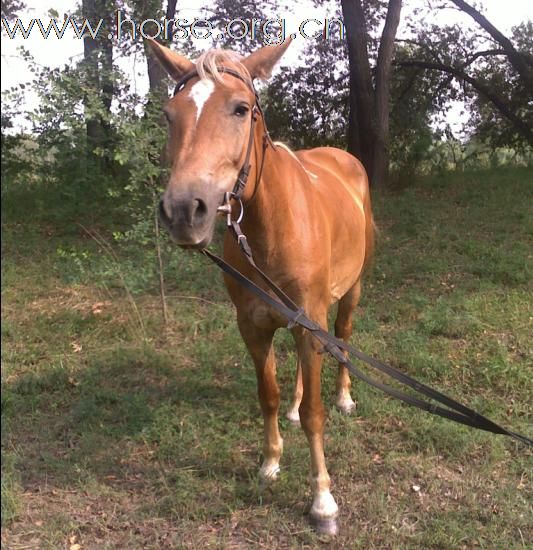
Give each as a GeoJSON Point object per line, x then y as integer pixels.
{"type": "Point", "coordinates": [483, 53]}
{"type": "Point", "coordinates": [516, 58]}
{"type": "Point", "coordinates": [421, 45]}
{"type": "Point", "coordinates": [481, 88]}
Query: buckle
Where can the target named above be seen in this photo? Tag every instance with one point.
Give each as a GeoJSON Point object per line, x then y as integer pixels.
{"type": "Point", "coordinates": [294, 322]}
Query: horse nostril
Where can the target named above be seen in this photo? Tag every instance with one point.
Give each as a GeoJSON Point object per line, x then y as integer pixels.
{"type": "Point", "coordinates": [183, 212]}
{"type": "Point", "coordinates": [200, 209]}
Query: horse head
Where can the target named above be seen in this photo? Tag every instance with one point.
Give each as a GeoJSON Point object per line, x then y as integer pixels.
{"type": "Point", "coordinates": [210, 120]}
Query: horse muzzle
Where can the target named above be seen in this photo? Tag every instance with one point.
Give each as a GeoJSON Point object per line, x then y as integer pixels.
{"type": "Point", "coordinates": [190, 220]}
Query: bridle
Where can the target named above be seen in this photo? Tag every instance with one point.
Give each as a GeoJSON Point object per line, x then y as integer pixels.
{"type": "Point", "coordinates": [242, 177]}
{"type": "Point", "coordinates": [278, 300]}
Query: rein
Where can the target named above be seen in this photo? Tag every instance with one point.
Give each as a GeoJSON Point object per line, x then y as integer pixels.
{"type": "Point", "coordinates": [335, 347]}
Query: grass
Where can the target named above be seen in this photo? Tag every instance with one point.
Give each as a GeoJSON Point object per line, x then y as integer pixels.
{"type": "Point", "coordinates": [118, 433]}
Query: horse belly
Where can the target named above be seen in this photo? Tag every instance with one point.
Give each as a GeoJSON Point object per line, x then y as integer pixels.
{"type": "Point", "coordinates": [348, 253]}
{"type": "Point", "coordinates": [344, 281]}
{"type": "Point", "coordinates": [339, 289]}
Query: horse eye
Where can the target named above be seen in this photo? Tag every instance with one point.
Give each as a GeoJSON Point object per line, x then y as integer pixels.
{"type": "Point", "coordinates": [241, 110]}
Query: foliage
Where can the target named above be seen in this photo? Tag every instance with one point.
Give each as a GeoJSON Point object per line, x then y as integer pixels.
{"type": "Point", "coordinates": [140, 149]}
{"type": "Point", "coordinates": [225, 11]}
{"type": "Point", "coordinates": [478, 68]}
{"type": "Point", "coordinates": [486, 122]}
{"type": "Point", "coordinates": [13, 145]}
{"type": "Point", "coordinates": [419, 100]}
{"type": "Point", "coordinates": [307, 105]}
{"type": "Point", "coordinates": [12, 8]}
{"type": "Point", "coordinates": [140, 144]}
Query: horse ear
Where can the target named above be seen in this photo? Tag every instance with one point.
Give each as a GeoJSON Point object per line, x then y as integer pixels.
{"type": "Point", "coordinates": [261, 62]}
{"type": "Point", "coordinates": [175, 65]}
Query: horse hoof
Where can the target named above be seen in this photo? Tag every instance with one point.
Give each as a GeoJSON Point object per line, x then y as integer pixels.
{"type": "Point", "coordinates": [346, 406]}
{"type": "Point", "coordinates": [293, 418]}
{"type": "Point", "coordinates": [328, 526]}
{"type": "Point", "coordinates": [268, 474]}
{"type": "Point", "coordinates": [324, 513]}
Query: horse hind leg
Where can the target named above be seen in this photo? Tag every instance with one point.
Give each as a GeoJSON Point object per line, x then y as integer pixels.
{"type": "Point", "coordinates": [343, 329]}
{"type": "Point", "coordinates": [293, 414]}
{"type": "Point", "coordinates": [259, 343]}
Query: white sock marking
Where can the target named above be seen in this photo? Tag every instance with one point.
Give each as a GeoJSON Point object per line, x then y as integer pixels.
{"type": "Point", "coordinates": [324, 506]}
{"type": "Point", "coordinates": [200, 93]}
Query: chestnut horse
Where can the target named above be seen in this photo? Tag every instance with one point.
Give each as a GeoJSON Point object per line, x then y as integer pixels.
{"type": "Point", "coordinates": [308, 219]}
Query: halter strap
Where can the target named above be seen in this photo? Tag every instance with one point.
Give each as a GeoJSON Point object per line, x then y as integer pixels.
{"type": "Point", "coordinates": [227, 70]}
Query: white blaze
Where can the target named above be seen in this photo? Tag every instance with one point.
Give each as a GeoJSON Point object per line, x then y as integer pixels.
{"type": "Point", "coordinates": [200, 93]}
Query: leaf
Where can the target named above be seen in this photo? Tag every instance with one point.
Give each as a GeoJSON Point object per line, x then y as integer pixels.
{"type": "Point", "coordinates": [76, 347]}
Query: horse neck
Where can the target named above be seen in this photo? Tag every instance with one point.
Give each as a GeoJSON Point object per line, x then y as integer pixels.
{"type": "Point", "coordinates": [267, 201]}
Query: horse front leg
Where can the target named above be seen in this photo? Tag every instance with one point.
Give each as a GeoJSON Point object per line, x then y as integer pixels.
{"type": "Point", "coordinates": [324, 509]}
{"type": "Point", "coordinates": [259, 344]}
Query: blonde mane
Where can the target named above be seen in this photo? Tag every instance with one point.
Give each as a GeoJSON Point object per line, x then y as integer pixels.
{"type": "Point", "coordinates": [209, 62]}
{"type": "Point", "coordinates": [293, 155]}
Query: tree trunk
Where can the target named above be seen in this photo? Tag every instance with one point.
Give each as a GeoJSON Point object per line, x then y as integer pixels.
{"type": "Point", "coordinates": [360, 136]}
{"type": "Point", "coordinates": [368, 122]}
{"type": "Point", "coordinates": [90, 56]}
{"type": "Point", "coordinates": [156, 73]}
{"type": "Point", "coordinates": [380, 172]}
{"type": "Point", "coordinates": [98, 60]}
{"type": "Point", "coordinates": [107, 89]}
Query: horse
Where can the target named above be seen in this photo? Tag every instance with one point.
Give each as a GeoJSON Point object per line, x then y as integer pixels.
{"type": "Point", "coordinates": [308, 219]}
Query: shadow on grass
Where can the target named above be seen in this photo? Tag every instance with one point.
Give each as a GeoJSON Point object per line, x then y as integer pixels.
{"type": "Point", "coordinates": [182, 440]}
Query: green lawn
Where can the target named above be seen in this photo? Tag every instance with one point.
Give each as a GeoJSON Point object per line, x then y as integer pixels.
{"type": "Point", "coordinates": [120, 433]}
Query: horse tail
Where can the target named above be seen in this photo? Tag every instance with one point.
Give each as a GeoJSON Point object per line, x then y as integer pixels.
{"type": "Point", "coordinates": [370, 231]}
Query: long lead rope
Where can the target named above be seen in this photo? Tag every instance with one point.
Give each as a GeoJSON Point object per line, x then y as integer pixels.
{"type": "Point", "coordinates": [335, 347]}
